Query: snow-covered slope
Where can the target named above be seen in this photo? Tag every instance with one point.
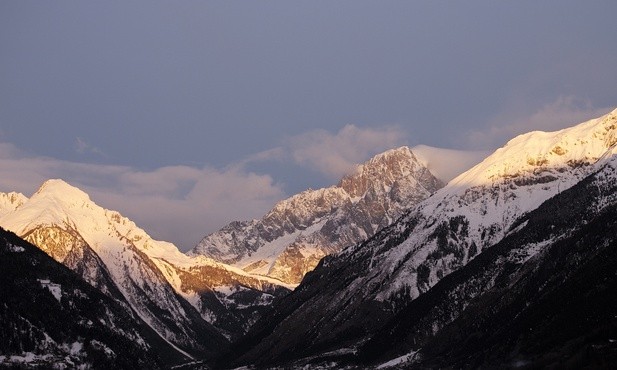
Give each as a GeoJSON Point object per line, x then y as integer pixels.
{"type": "Point", "coordinates": [290, 240]}
{"type": "Point", "coordinates": [10, 201]}
{"type": "Point", "coordinates": [112, 254]}
{"type": "Point", "coordinates": [512, 296]}
{"type": "Point", "coordinates": [477, 208]}
{"type": "Point", "coordinates": [151, 277]}
{"type": "Point", "coordinates": [443, 233]}
{"type": "Point", "coordinates": [116, 256]}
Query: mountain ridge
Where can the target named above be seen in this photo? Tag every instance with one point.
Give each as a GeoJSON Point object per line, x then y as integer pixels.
{"type": "Point", "coordinates": [291, 238]}
{"type": "Point", "coordinates": [376, 278]}
{"type": "Point", "coordinates": [406, 245]}
{"type": "Point", "coordinates": [529, 271]}
{"type": "Point", "coordinates": [116, 256]}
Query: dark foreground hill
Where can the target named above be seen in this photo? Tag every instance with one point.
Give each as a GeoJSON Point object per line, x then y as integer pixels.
{"type": "Point", "coordinates": [50, 317]}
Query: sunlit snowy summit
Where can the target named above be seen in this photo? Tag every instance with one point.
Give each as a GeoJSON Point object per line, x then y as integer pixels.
{"type": "Point", "coordinates": [289, 241]}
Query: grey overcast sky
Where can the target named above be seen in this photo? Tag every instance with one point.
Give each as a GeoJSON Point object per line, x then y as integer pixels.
{"type": "Point", "coordinates": [185, 115]}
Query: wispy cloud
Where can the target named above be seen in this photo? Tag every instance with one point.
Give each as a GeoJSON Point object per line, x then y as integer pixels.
{"type": "Point", "coordinates": [334, 154]}
{"type": "Point", "coordinates": [446, 164]}
{"type": "Point", "coordinates": [183, 203]}
{"type": "Point", "coordinates": [271, 155]}
{"type": "Point", "coordinates": [83, 147]}
{"type": "Point", "coordinates": [174, 203]}
{"type": "Point", "coordinates": [562, 113]}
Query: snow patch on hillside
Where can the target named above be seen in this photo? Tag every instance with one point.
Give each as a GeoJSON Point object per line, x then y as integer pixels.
{"type": "Point", "coordinates": [54, 289]}
{"type": "Point", "coordinates": [405, 360]}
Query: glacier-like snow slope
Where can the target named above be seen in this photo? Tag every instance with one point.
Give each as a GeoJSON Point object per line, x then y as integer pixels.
{"type": "Point", "coordinates": [350, 292]}
{"type": "Point", "coordinates": [290, 240]}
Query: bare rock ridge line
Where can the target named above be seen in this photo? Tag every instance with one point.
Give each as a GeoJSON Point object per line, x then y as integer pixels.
{"type": "Point", "coordinates": [290, 240]}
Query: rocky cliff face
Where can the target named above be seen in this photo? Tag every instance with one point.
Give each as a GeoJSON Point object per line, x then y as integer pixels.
{"type": "Point", "coordinates": [352, 293]}
{"type": "Point", "coordinates": [226, 297]}
{"type": "Point", "coordinates": [290, 239]}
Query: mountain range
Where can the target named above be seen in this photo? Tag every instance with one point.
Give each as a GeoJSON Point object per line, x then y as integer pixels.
{"type": "Point", "coordinates": [353, 294]}
{"type": "Point", "coordinates": [290, 240]}
{"type": "Point", "coordinates": [388, 268]}
{"type": "Point", "coordinates": [195, 303]}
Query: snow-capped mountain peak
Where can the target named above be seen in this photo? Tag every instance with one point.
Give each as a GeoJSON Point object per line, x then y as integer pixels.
{"type": "Point", "coordinates": [520, 176]}
{"type": "Point", "coordinates": [115, 255]}
{"type": "Point", "coordinates": [354, 291]}
{"type": "Point", "coordinates": [54, 203]}
{"type": "Point", "coordinates": [11, 201]}
{"type": "Point", "coordinates": [536, 151]}
{"type": "Point", "coordinates": [110, 252]}
{"type": "Point", "coordinates": [290, 239]}
{"type": "Point", "coordinates": [57, 203]}
{"type": "Point", "coordinates": [61, 190]}
{"type": "Point", "coordinates": [512, 181]}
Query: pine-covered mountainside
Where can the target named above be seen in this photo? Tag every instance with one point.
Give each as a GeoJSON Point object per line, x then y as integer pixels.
{"type": "Point", "coordinates": [49, 315]}
{"type": "Point", "coordinates": [351, 295]}
{"type": "Point", "coordinates": [290, 240]}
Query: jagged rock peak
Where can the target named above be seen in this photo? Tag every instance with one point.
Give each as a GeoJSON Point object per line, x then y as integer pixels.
{"type": "Point", "coordinates": [314, 223]}
{"type": "Point", "coordinates": [378, 174]}
{"type": "Point", "coordinates": [11, 201]}
{"type": "Point", "coordinates": [457, 224]}
{"type": "Point", "coordinates": [385, 168]}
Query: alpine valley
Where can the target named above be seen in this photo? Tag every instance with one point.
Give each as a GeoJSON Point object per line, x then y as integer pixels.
{"type": "Point", "coordinates": [509, 265]}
